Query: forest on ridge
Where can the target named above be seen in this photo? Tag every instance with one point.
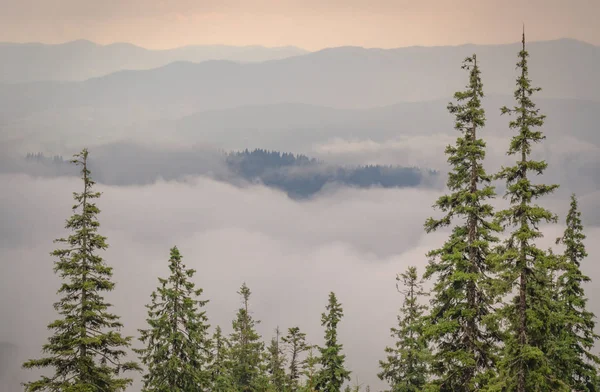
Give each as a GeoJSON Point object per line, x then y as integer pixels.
{"type": "Point", "coordinates": [502, 314]}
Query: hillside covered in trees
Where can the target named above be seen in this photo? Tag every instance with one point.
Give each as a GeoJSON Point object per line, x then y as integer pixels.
{"type": "Point", "coordinates": [297, 175]}
{"type": "Point", "coordinates": [503, 313]}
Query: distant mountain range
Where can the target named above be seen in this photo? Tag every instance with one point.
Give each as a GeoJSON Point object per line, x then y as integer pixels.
{"type": "Point", "coordinates": [345, 77]}
{"type": "Point", "coordinates": [80, 60]}
{"type": "Point", "coordinates": [299, 102]}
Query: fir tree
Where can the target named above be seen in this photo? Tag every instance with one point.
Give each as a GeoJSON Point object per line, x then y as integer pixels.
{"type": "Point", "coordinates": [525, 366]}
{"type": "Point", "coordinates": [296, 345]}
{"type": "Point", "coordinates": [220, 365]}
{"type": "Point", "coordinates": [576, 364]}
{"type": "Point", "coordinates": [176, 351]}
{"type": "Point", "coordinates": [86, 348]}
{"type": "Point", "coordinates": [310, 370]}
{"type": "Point", "coordinates": [464, 294]}
{"type": "Point", "coordinates": [276, 363]}
{"type": "Point", "coordinates": [247, 348]}
{"type": "Point", "coordinates": [333, 373]}
{"type": "Point", "coordinates": [406, 366]}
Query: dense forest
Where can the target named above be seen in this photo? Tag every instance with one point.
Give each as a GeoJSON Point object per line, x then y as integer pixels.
{"type": "Point", "coordinates": [297, 175]}
{"type": "Point", "coordinates": [503, 314]}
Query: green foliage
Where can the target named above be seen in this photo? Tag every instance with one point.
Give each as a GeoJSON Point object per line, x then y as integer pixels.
{"type": "Point", "coordinates": [177, 346]}
{"type": "Point", "coordinates": [525, 365]}
{"type": "Point", "coordinates": [406, 366]}
{"type": "Point", "coordinates": [86, 348]}
{"type": "Point", "coordinates": [276, 362]}
{"type": "Point", "coordinates": [574, 362]}
{"type": "Point", "coordinates": [221, 379]}
{"type": "Point", "coordinates": [460, 323]}
{"type": "Point", "coordinates": [310, 370]}
{"type": "Point", "coordinates": [296, 345]}
{"type": "Point", "coordinates": [247, 348]}
{"type": "Point", "coordinates": [333, 373]}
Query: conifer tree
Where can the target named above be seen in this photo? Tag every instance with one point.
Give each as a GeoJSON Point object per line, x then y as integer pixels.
{"type": "Point", "coordinates": [86, 348]}
{"type": "Point", "coordinates": [177, 346]}
{"type": "Point", "coordinates": [525, 365]}
{"type": "Point", "coordinates": [247, 348]}
{"type": "Point", "coordinates": [276, 363]}
{"type": "Point", "coordinates": [406, 366]}
{"type": "Point", "coordinates": [333, 373]}
{"type": "Point", "coordinates": [310, 370]}
{"type": "Point", "coordinates": [465, 292]}
{"type": "Point", "coordinates": [220, 366]}
{"type": "Point", "coordinates": [576, 364]}
{"type": "Point", "coordinates": [296, 345]}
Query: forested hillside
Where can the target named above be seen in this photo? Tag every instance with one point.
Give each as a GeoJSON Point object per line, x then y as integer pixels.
{"type": "Point", "coordinates": [297, 175]}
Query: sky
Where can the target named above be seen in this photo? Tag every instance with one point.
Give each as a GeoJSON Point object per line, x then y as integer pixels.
{"type": "Point", "coordinates": [310, 24]}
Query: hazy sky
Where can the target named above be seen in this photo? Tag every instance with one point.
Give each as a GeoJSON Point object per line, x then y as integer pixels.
{"type": "Point", "coordinates": [311, 24]}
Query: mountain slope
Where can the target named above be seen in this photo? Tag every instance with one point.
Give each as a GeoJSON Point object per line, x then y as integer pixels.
{"type": "Point", "coordinates": [340, 77]}
{"type": "Point", "coordinates": [80, 60]}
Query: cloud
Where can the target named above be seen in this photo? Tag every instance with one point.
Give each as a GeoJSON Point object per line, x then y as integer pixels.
{"type": "Point", "coordinates": [291, 254]}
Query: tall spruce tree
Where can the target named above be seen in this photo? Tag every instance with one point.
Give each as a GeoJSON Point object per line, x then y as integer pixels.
{"type": "Point", "coordinates": [296, 345]}
{"type": "Point", "coordinates": [333, 372]}
{"type": "Point", "coordinates": [525, 365]}
{"type": "Point", "coordinates": [86, 348]}
{"type": "Point", "coordinates": [460, 323]}
{"type": "Point", "coordinates": [177, 345]}
{"type": "Point", "coordinates": [406, 366]}
{"type": "Point", "coordinates": [247, 348]}
{"type": "Point", "coordinates": [221, 379]}
{"type": "Point", "coordinates": [576, 364]}
{"type": "Point", "coordinates": [276, 362]}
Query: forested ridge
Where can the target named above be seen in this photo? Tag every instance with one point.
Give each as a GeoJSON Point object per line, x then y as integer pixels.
{"type": "Point", "coordinates": [298, 175]}
{"type": "Point", "coordinates": [502, 314]}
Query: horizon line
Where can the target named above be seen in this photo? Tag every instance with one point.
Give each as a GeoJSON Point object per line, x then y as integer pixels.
{"type": "Point", "coordinates": [85, 40]}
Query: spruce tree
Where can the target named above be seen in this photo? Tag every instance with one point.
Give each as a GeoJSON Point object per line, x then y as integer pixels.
{"type": "Point", "coordinates": [465, 291]}
{"type": "Point", "coordinates": [220, 365]}
{"type": "Point", "coordinates": [333, 373]}
{"type": "Point", "coordinates": [406, 366]}
{"type": "Point", "coordinates": [276, 363]}
{"type": "Point", "coordinates": [177, 346]}
{"type": "Point", "coordinates": [86, 348]}
{"type": "Point", "coordinates": [247, 347]}
{"type": "Point", "coordinates": [296, 345]}
{"type": "Point", "coordinates": [310, 370]}
{"type": "Point", "coordinates": [525, 365]}
{"type": "Point", "coordinates": [576, 364]}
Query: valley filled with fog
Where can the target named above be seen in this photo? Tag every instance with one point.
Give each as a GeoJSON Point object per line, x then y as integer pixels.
{"type": "Point", "coordinates": [297, 172]}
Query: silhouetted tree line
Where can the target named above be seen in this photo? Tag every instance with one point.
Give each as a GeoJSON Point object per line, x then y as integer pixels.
{"type": "Point", "coordinates": [297, 175]}
{"type": "Point", "coordinates": [504, 315]}
{"type": "Point", "coordinates": [301, 176]}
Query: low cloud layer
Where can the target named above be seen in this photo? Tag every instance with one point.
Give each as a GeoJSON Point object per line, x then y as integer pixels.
{"type": "Point", "coordinates": [291, 254]}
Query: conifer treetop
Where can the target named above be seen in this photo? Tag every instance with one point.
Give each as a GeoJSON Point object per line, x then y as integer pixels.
{"type": "Point", "coordinates": [86, 348]}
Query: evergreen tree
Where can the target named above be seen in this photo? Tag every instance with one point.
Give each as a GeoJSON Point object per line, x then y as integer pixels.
{"type": "Point", "coordinates": [177, 346]}
{"type": "Point", "coordinates": [220, 366]}
{"type": "Point", "coordinates": [310, 370]}
{"type": "Point", "coordinates": [332, 374]}
{"type": "Point", "coordinates": [576, 364]}
{"type": "Point", "coordinates": [525, 365]}
{"type": "Point", "coordinates": [247, 348]}
{"type": "Point", "coordinates": [296, 345]}
{"type": "Point", "coordinates": [465, 292]}
{"type": "Point", "coordinates": [406, 366]}
{"type": "Point", "coordinates": [86, 348]}
{"type": "Point", "coordinates": [276, 363]}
